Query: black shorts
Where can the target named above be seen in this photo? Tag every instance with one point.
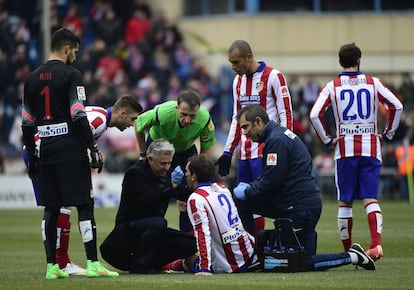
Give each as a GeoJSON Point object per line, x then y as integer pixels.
{"type": "Point", "coordinates": [65, 184]}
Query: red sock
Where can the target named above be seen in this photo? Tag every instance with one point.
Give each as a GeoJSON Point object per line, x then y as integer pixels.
{"type": "Point", "coordinates": [176, 265]}
{"type": "Point", "coordinates": [259, 224]}
{"type": "Point", "coordinates": [62, 245]}
{"type": "Point", "coordinates": [374, 216]}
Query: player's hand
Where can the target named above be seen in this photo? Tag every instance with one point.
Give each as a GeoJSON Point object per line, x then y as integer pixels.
{"type": "Point", "coordinates": [182, 205]}
{"type": "Point", "coordinates": [240, 190]}
{"type": "Point", "coordinates": [33, 168]}
{"type": "Point", "coordinates": [177, 175]}
{"type": "Point", "coordinates": [95, 158]}
{"type": "Point", "coordinates": [224, 164]}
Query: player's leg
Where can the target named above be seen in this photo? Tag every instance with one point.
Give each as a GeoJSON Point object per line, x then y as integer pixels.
{"type": "Point", "coordinates": [62, 245]}
{"type": "Point", "coordinates": [355, 256]}
{"type": "Point", "coordinates": [255, 172]}
{"type": "Point", "coordinates": [50, 198]}
{"type": "Point", "coordinates": [146, 237]}
{"type": "Point", "coordinates": [63, 233]}
{"type": "Point", "coordinates": [346, 180]}
{"type": "Point", "coordinates": [180, 253]}
{"type": "Point", "coordinates": [243, 175]}
{"type": "Point", "coordinates": [370, 168]}
{"type": "Point", "coordinates": [79, 194]}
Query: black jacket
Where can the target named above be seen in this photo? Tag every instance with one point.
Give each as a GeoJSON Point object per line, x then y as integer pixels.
{"type": "Point", "coordinates": [286, 171]}
{"type": "Point", "coordinates": [145, 195]}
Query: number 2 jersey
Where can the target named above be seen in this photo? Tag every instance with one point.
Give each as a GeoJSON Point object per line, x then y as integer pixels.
{"type": "Point", "coordinates": [223, 244]}
{"type": "Point", "coordinates": [355, 97]}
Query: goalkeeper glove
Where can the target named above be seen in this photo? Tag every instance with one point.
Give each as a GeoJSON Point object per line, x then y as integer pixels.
{"type": "Point", "coordinates": [33, 168]}
{"type": "Point", "coordinates": [95, 158]}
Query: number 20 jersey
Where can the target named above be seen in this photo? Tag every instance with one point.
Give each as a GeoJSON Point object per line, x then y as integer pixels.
{"type": "Point", "coordinates": [355, 97]}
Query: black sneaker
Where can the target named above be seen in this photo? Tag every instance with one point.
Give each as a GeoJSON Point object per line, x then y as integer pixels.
{"type": "Point", "coordinates": [364, 260]}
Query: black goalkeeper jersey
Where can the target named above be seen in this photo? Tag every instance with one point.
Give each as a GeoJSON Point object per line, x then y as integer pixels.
{"type": "Point", "coordinates": [54, 98]}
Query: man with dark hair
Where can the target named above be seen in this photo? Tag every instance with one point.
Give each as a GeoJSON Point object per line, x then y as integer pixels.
{"type": "Point", "coordinates": [355, 98]}
{"type": "Point", "coordinates": [181, 122]}
{"type": "Point", "coordinates": [141, 241]}
{"type": "Point", "coordinates": [287, 189]}
{"type": "Point", "coordinates": [53, 106]}
{"type": "Point", "coordinates": [121, 115]}
{"type": "Point", "coordinates": [255, 83]}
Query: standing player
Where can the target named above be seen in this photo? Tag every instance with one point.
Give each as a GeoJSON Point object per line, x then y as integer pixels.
{"type": "Point", "coordinates": [223, 244]}
{"type": "Point", "coordinates": [181, 122]}
{"type": "Point", "coordinates": [121, 115]}
{"type": "Point", "coordinates": [260, 84]}
{"type": "Point", "coordinates": [53, 106]}
{"type": "Point", "coordinates": [354, 97]}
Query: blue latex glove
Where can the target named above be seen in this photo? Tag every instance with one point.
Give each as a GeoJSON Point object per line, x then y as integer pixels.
{"type": "Point", "coordinates": [177, 175]}
{"type": "Point", "coordinates": [240, 190]}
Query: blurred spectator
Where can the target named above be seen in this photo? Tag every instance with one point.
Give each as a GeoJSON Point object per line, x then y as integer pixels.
{"type": "Point", "coordinates": [109, 28]}
{"type": "Point", "coordinates": [73, 20]}
{"type": "Point", "coordinates": [404, 155]}
{"type": "Point", "coordinates": [407, 92]}
{"type": "Point", "coordinates": [164, 34]}
{"type": "Point", "coordinates": [136, 27]}
{"type": "Point", "coordinates": [310, 92]}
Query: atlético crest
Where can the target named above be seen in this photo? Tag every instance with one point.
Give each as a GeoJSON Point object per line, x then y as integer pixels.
{"type": "Point", "coordinates": [259, 86]}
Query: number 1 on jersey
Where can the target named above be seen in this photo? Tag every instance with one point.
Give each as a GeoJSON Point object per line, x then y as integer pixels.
{"type": "Point", "coordinates": [45, 92]}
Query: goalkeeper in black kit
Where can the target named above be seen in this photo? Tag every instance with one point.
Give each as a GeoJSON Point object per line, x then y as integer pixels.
{"type": "Point", "coordinates": [53, 106]}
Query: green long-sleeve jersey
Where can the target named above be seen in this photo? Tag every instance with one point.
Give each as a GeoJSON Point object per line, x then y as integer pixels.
{"type": "Point", "coordinates": [162, 122]}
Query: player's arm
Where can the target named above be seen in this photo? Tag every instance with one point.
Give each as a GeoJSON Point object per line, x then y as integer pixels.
{"type": "Point", "coordinates": [207, 137]}
{"type": "Point", "coordinates": [199, 219]}
{"type": "Point", "coordinates": [394, 107]}
{"type": "Point", "coordinates": [283, 100]}
{"type": "Point", "coordinates": [317, 113]}
{"type": "Point", "coordinates": [144, 122]}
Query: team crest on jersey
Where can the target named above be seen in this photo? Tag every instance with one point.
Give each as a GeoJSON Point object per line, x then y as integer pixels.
{"type": "Point", "coordinates": [285, 91]}
{"type": "Point", "coordinates": [211, 126]}
{"type": "Point", "coordinates": [196, 218]}
{"type": "Point", "coordinates": [259, 86]}
{"type": "Point", "coordinates": [80, 91]}
{"type": "Point", "coordinates": [271, 159]}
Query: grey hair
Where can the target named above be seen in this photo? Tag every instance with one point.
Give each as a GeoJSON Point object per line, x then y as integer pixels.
{"type": "Point", "coordinates": [159, 147]}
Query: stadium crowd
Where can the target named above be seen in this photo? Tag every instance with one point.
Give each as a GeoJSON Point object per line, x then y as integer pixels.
{"type": "Point", "coordinates": [127, 46]}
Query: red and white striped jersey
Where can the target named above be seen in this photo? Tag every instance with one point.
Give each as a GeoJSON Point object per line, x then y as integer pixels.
{"type": "Point", "coordinates": [355, 97]}
{"type": "Point", "coordinates": [98, 119]}
{"type": "Point", "coordinates": [268, 88]}
{"type": "Point", "coordinates": [223, 244]}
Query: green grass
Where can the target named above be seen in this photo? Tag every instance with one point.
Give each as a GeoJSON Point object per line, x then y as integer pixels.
{"type": "Point", "coordinates": [22, 259]}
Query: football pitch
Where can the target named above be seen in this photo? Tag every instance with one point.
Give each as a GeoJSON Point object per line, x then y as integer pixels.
{"type": "Point", "coordinates": [22, 258]}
